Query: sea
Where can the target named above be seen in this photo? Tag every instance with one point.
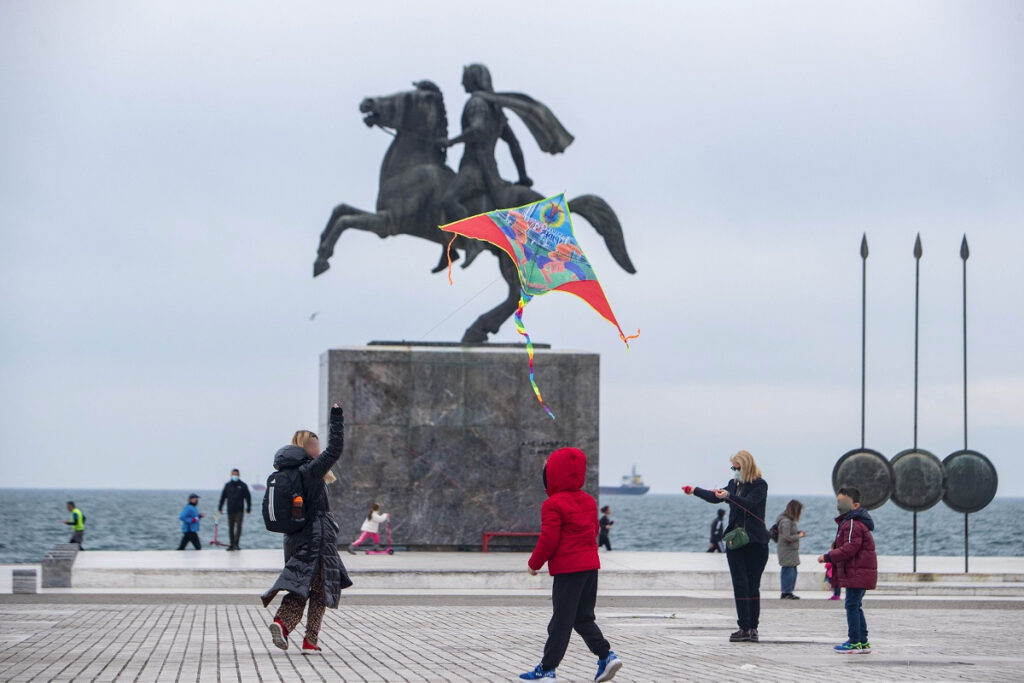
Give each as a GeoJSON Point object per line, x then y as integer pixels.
{"type": "Point", "coordinates": [148, 520]}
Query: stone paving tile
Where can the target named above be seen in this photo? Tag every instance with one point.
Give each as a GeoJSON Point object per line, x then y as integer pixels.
{"type": "Point", "coordinates": [230, 642]}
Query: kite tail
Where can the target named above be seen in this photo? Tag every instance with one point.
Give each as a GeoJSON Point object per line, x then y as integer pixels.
{"type": "Point", "coordinates": [448, 252]}
{"type": "Point", "coordinates": [521, 329]}
{"type": "Point", "coordinates": [626, 338]}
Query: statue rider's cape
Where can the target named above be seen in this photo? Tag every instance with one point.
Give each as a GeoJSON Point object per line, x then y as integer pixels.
{"type": "Point", "coordinates": [547, 130]}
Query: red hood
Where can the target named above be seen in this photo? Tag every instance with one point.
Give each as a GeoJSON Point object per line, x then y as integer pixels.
{"type": "Point", "coordinates": [566, 470]}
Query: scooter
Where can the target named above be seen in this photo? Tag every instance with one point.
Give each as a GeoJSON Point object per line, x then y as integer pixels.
{"type": "Point", "coordinates": [386, 551]}
{"type": "Point", "coordinates": [216, 519]}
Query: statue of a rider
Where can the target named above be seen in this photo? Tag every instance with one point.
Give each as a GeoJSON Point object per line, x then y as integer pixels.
{"type": "Point", "coordinates": [483, 123]}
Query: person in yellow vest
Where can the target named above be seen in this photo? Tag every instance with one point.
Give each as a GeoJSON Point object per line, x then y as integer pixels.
{"type": "Point", "coordinates": [77, 524]}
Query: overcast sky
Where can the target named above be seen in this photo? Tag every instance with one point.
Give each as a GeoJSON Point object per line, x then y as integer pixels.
{"type": "Point", "coordinates": [166, 169]}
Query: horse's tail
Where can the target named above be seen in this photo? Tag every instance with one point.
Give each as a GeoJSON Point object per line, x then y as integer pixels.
{"type": "Point", "coordinates": [603, 218]}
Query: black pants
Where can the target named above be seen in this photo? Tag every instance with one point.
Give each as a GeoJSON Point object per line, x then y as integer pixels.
{"type": "Point", "coordinates": [746, 565]}
{"type": "Point", "coordinates": [193, 537]}
{"type": "Point", "coordinates": [235, 527]}
{"type": "Point", "coordinates": [602, 540]}
{"type": "Point", "coordinates": [573, 597]}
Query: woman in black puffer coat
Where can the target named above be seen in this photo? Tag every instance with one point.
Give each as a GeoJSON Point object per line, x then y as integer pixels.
{"type": "Point", "coordinates": [313, 571]}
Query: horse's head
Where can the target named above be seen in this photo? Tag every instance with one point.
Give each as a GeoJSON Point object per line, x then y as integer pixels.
{"type": "Point", "coordinates": [418, 112]}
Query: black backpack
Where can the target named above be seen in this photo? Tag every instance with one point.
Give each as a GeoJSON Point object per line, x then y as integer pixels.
{"type": "Point", "coordinates": [281, 513]}
{"type": "Point", "coordinates": [774, 532]}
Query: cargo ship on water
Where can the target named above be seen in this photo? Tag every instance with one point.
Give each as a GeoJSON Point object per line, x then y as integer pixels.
{"type": "Point", "coordinates": [632, 485]}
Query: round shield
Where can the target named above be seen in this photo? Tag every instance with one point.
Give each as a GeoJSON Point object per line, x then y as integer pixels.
{"type": "Point", "coordinates": [918, 480]}
{"type": "Point", "coordinates": [869, 472]}
{"type": "Point", "coordinates": [971, 481]}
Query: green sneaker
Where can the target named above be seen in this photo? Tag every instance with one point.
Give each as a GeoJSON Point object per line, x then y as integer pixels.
{"type": "Point", "coordinates": [864, 648]}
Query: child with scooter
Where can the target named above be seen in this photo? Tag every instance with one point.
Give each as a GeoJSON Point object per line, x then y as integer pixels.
{"type": "Point", "coordinates": [370, 529]}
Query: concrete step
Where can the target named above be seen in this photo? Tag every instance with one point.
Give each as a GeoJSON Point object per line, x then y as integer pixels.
{"type": "Point", "coordinates": [626, 572]}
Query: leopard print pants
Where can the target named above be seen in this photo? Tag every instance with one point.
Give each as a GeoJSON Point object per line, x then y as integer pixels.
{"type": "Point", "coordinates": [290, 611]}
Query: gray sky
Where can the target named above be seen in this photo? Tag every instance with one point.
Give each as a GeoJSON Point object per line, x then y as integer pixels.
{"type": "Point", "coordinates": [166, 170]}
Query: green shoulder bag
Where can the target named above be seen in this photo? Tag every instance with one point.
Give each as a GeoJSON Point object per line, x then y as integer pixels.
{"type": "Point", "coordinates": [738, 537]}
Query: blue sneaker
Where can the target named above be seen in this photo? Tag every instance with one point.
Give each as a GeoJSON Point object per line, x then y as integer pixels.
{"type": "Point", "coordinates": [847, 648]}
{"type": "Point", "coordinates": [607, 667]}
{"type": "Point", "coordinates": [537, 674]}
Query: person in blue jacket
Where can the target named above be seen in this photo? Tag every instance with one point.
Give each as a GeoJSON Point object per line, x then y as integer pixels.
{"type": "Point", "coordinates": [190, 517]}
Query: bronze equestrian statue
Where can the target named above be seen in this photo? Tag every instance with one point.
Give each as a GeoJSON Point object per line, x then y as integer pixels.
{"type": "Point", "coordinates": [418, 191]}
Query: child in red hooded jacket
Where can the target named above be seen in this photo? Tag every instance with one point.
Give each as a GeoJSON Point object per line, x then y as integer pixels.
{"type": "Point", "coordinates": [568, 544]}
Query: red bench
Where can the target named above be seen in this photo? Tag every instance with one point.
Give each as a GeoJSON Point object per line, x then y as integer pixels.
{"type": "Point", "coordinates": [488, 535]}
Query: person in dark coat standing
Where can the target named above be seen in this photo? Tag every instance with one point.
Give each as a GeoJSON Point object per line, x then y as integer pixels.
{"type": "Point", "coordinates": [746, 494]}
{"type": "Point", "coordinates": [236, 494]}
{"type": "Point", "coordinates": [716, 544]}
{"type": "Point", "coordinates": [313, 571]}
{"type": "Point", "coordinates": [605, 524]}
{"type": "Point", "coordinates": [854, 566]}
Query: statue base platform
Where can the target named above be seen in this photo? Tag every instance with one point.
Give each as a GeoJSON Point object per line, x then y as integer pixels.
{"type": "Point", "coordinates": [451, 439]}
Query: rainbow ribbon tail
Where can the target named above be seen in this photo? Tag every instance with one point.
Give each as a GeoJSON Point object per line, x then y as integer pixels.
{"type": "Point", "coordinates": [524, 298]}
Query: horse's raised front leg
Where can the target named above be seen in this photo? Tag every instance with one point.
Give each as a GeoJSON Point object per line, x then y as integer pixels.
{"type": "Point", "coordinates": [491, 321]}
{"type": "Point", "coordinates": [343, 217]}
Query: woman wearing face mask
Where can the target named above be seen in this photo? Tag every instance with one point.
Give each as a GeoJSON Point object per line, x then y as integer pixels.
{"type": "Point", "coordinates": [745, 493]}
{"type": "Point", "coordinates": [313, 571]}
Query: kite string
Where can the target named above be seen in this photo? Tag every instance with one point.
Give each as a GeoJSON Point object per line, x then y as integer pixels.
{"type": "Point", "coordinates": [467, 302]}
{"type": "Point", "coordinates": [521, 329]}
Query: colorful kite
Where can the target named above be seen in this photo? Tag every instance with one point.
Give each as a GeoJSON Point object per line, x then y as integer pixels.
{"type": "Point", "coordinates": [539, 238]}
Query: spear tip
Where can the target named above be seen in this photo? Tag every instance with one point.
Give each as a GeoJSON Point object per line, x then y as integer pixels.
{"type": "Point", "coordinates": [965, 252]}
{"type": "Point", "coordinates": [917, 247]}
{"type": "Point", "coordinates": [864, 246]}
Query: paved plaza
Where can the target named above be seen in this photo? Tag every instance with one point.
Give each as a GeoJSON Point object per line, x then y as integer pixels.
{"type": "Point", "coordinates": [206, 638]}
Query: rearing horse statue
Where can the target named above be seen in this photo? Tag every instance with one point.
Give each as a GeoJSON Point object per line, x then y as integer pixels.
{"type": "Point", "coordinates": [413, 180]}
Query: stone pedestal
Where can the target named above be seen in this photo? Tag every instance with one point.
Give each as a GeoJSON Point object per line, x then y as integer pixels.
{"type": "Point", "coordinates": [451, 440]}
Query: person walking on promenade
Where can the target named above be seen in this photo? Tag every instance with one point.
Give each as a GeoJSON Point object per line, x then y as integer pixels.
{"type": "Point", "coordinates": [370, 528]}
{"type": "Point", "coordinates": [239, 500]}
{"type": "Point", "coordinates": [313, 572]}
{"type": "Point", "coordinates": [190, 517]}
{"type": "Point", "coordinates": [605, 524]}
{"type": "Point", "coordinates": [745, 493]}
{"type": "Point", "coordinates": [567, 543]}
{"type": "Point", "coordinates": [854, 566]}
{"type": "Point", "coordinates": [789, 547]}
{"type": "Point", "coordinates": [77, 524]}
{"type": "Point", "coordinates": [717, 545]}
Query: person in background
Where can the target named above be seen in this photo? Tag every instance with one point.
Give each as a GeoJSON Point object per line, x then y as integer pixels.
{"type": "Point", "coordinates": [370, 528]}
{"type": "Point", "coordinates": [789, 547]}
{"type": "Point", "coordinates": [745, 493]}
{"type": "Point", "coordinates": [239, 501]}
{"type": "Point", "coordinates": [854, 566]}
{"type": "Point", "coordinates": [190, 517]}
{"type": "Point", "coordinates": [77, 524]}
{"type": "Point", "coordinates": [717, 545]}
{"type": "Point", "coordinates": [828, 580]}
{"type": "Point", "coordinates": [605, 524]}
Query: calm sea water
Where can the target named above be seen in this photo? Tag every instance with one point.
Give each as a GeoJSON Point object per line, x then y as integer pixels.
{"type": "Point", "coordinates": [148, 520]}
